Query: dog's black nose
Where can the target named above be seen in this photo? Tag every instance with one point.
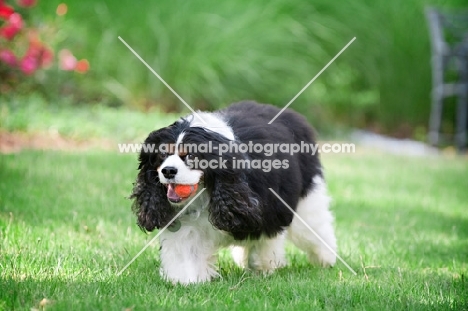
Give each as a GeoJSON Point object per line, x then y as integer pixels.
{"type": "Point", "coordinates": [169, 171]}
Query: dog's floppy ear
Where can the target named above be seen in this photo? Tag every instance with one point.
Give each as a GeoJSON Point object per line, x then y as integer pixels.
{"type": "Point", "coordinates": [233, 207]}
{"type": "Point", "coordinates": [150, 202]}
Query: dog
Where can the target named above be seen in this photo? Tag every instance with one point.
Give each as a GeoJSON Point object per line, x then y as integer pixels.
{"type": "Point", "coordinates": [240, 205]}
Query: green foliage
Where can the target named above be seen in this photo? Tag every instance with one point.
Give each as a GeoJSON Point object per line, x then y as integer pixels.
{"type": "Point", "coordinates": [217, 53]}
{"type": "Point", "coordinates": [66, 229]}
{"type": "Point", "coordinates": [213, 53]}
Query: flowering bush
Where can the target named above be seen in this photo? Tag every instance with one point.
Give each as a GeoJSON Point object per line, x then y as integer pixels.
{"type": "Point", "coordinates": [23, 52]}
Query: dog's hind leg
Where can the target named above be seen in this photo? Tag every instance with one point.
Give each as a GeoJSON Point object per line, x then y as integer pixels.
{"type": "Point", "coordinates": [314, 210]}
{"type": "Point", "coordinates": [240, 255]}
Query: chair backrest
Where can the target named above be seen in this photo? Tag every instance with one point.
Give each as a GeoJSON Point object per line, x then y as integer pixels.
{"type": "Point", "coordinates": [447, 28]}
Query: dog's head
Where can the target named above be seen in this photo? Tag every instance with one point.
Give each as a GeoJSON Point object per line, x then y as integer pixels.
{"type": "Point", "coordinates": [186, 153]}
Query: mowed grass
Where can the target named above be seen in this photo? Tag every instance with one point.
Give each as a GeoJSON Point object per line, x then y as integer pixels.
{"type": "Point", "coordinates": [66, 229]}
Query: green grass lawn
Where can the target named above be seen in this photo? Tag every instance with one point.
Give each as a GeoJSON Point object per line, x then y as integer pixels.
{"type": "Point", "coordinates": [33, 114]}
{"type": "Point", "coordinates": [66, 229]}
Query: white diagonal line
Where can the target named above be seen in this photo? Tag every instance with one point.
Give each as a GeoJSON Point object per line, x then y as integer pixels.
{"type": "Point", "coordinates": [159, 233]}
{"type": "Point", "coordinates": [313, 79]}
{"type": "Point", "coordinates": [313, 231]}
{"type": "Point", "coordinates": [161, 79]}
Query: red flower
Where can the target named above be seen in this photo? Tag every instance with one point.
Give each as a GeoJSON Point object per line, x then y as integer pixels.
{"type": "Point", "coordinates": [38, 52]}
{"type": "Point", "coordinates": [62, 9]}
{"type": "Point", "coordinates": [12, 27]}
{"type": "Point", "coordinates": [5, 11]}
{"type": "Point", "coordinates": [35, 48]}
{"type": "Point", "coordinates": [26, 3]}
{"type": "Point", "coordinates": [8, 57]}
{"type": "Point", "coordinates": [47, 57]}
{"type": "Point", "coordinates": [82, 66]}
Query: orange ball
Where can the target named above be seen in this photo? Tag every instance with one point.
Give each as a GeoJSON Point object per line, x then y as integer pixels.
{"type": "Point", "coordinates": [184, 191]}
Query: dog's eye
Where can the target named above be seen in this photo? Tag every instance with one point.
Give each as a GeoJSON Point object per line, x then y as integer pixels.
{"type": "Point", "coordinates": [163, 155]}
{"type": "Point", "coordinates": [187, 156]}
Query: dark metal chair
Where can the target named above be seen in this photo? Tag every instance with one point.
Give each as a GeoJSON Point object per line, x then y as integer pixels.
{"type": "Point", "coordinates": [449, 38]}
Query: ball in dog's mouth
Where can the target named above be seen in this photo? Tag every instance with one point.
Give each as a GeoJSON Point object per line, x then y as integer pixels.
{"type": "Point", "coordinates": [176, 193]}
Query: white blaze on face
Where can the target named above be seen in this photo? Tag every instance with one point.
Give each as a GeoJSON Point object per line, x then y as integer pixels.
{"type": "Point", "coordinates": [213, 122]}
{"type": "Point", "coordinates": [186, 175]}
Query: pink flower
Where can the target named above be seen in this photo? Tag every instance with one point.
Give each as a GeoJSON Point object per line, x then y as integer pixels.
{"type": "Point", "coordinates": [16, 20]}
{"type": "Point", "coordinates": [26, 3]}
{"type": "Point", "coordinates": [12, 27]}
{"type": "Point", "coordinates": [8, 57]}
{"type": "Point", "coordinates": [29, 64]}
{"type": "Point", "coordinates": [67, 60]}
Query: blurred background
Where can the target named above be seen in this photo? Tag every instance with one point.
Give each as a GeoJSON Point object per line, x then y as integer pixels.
{"type": "Point", "coordinates": [64, 70]}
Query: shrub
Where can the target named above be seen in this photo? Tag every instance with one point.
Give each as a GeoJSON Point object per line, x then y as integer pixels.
{"type": "Point", "coordinates": [27, 49]}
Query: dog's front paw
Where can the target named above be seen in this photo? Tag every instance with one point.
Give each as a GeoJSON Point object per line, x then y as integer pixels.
{"type": "Point", "coordinates": [188, 276]}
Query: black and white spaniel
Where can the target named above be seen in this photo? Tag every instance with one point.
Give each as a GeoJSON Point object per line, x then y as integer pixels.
{"type": "Point", "coordinates": [236, 209]}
